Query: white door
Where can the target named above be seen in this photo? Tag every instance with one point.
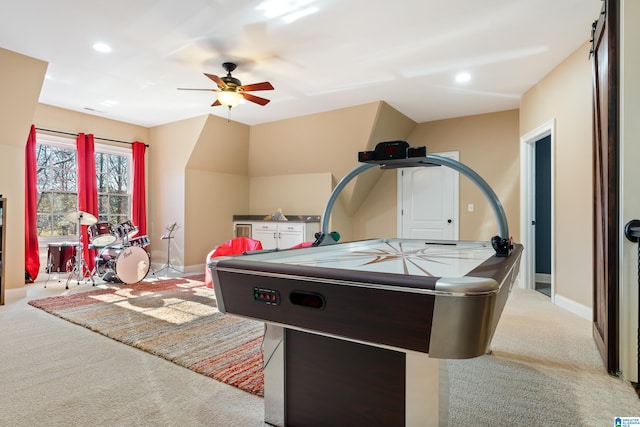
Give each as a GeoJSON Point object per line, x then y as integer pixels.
{"type": "Point", "coordinates": [429, 202]}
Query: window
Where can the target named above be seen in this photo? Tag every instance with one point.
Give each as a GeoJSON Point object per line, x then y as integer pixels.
{"type": "Point", "coordinates": [57, 186]}
{"type": "Point", "coordinates": [57, 189]}
{"type": "Point", "coordinates": [114, 198]}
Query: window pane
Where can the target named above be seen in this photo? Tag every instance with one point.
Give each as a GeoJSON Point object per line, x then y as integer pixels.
{"type": "Point", "coordinates": [57, 186]}
{"type": "Point", "coordinates": [118, 204]}
{"type": "Point", "coordinates": [63, 227]}
{"type": "Point", "coordinates": [102, 183]}
{"type": "Point", "coordinates": [101, 162]}
{"type": "Point", "coordinates": [103, 204]}
{"type": "Point", "coordinates": [44, 202]}
{"type": "Point", "coordinates": [64, 202]}
{"type": "Point", "coordinates": [44, 224]}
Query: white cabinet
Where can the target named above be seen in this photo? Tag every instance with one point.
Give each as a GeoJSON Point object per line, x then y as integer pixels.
{"type": "Point", "coordinates": [266, 232]}
{"type": "Point", "coordinates": [283, 234]}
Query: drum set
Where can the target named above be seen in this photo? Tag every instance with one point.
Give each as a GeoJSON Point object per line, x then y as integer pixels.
{"type": "Point", "coordinates": [122, 254]}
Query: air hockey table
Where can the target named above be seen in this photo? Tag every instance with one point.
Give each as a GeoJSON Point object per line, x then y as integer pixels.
{"type": "Point", "coordinates": [355, 329]}
{"type": "Point", "coordinates": [356, 333]}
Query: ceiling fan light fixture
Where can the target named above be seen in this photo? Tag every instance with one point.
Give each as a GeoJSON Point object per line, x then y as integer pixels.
{"type": "Point", "coordinates": [229, 98]}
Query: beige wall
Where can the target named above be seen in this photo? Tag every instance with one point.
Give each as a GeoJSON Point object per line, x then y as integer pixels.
{"type": "Point", "coordinates": [170, 149]}
{"type": "Point", "coordinates": [565, 95]}
{"type": "Point", "coordinates": [216, 186]}
{"type": "Point", "coordinates": [211, 200]}
{"type": "Point", "coordinates": [301, 194]}
{"type": "Point", "coordinates": [488, 144]}
{"type": "Point", "coordinates": [197, 178]}
{"type": "Point", "coordinates": [60, 119]}
{"type": "Point", "coordinates": [21, 79]}
{"type": "Point", "coordinates": [327, 143]}
{"type": "Point", "coordinates": [484, 142]}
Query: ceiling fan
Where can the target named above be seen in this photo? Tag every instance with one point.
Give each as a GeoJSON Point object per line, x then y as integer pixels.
{"type": "Point", "coordinates": [231, 91]}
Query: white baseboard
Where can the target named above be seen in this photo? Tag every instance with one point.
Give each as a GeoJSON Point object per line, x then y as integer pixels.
{"type": "Point", "coordinates": [194, 269]}
{"type": "Point", "coordinates": [574, 307]}
{"type": "Point", "coordinates": [189, 269]}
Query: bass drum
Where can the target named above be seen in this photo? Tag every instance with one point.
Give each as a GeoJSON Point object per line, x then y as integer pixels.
{"type": "Point", "coordinates": [128, 264]}
{"type": "Point", "coordinates": [132, 264]}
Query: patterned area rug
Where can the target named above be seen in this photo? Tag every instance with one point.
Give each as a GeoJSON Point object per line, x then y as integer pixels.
{"type": "Point", "coordinates": [176, 319]}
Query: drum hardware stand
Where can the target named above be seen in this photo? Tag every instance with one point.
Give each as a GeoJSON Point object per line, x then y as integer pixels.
{"type": "Point", "coordinates": [78, 272]}
{"type": "Point", "coordinates": [170, 228]}
{"type": "Point", "coordinates": [49, 269]}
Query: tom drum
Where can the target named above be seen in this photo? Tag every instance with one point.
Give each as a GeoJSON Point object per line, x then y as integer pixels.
{"type": "Point", "coordinates": [127, 230]}
{"type": "Point", "coordinates": [141, 241]}
{"type": "Point", "coordinates": [102, 234]}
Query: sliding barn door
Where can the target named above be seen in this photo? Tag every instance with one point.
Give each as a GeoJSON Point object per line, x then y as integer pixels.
{"type": "Point", "coordinates": [605, 182]}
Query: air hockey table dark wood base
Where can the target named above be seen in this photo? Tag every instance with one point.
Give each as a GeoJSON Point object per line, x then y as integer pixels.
{"type": "Point", "coordinates": [356, 331]}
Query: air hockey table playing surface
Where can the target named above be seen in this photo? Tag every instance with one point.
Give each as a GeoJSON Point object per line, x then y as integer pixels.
{"type": "Point", "coordinates": [443, 298]}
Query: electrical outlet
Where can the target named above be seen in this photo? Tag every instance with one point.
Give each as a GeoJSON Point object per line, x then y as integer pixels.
{"type": "Point", "coordinates": [470, 207]}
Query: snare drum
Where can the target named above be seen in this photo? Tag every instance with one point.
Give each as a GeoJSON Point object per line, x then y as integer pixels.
{"type": "Point", "coordinates": [142, 241]}
{"type": "Point", "coordinates": [127, 230]}
{"type": "Point", "coordinates": [61, 257]}
{"type": "Point", "coordinates": [128, 264]}
{"type": "Point", "coordinates": [101, 234]}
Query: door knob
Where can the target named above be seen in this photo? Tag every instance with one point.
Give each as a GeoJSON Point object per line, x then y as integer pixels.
{"type": "Point", "coordinates": [449, 221]}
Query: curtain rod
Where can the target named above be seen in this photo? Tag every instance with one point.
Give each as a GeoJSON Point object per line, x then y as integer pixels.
{"type": "Point", "coordinates": [95, 137]}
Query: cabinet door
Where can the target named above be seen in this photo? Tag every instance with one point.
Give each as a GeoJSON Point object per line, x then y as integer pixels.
{"type": "Point", "coordinates": [290, 235]}
{"type": "Point", "coordinates": [267, 233]}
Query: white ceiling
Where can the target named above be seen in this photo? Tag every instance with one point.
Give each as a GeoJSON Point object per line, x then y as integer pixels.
{"type": "Point", "coordinates": [343, 53]}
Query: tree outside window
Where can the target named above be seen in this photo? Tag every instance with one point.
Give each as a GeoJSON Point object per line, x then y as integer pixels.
{"type": "Point", "coordinates": [58, 192]}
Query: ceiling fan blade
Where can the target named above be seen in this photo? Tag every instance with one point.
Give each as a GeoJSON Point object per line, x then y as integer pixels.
{"type": "Point", "coordinates": [215, 104]}
{"type": "Point", "coordinates": [188, 88]}
{"type": "Point", "coordinates": [257, 86]}
{"type": "Point", "coordinates": [256, 99]}
{"type": "Point", "coordinates": [221, 84]}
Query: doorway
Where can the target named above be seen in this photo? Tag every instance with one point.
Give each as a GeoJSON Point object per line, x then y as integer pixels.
{"type": "Point", "coordinates": [536, 206]}
{"type": "Point", "coordinates": [542, 220]}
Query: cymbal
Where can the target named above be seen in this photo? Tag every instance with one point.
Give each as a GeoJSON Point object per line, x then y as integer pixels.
{"type": "Point", "coordinates": [85, 218]}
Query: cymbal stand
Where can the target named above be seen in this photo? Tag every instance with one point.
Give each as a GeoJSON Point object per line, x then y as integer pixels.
{"type": "Point", "coordinates": [80, 270]}
{"type": "Point", "coordinates": [168, 265]}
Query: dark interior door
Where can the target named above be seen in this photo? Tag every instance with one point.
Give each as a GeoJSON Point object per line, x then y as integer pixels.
{"type": "Point", "coordinates": [605, 184]}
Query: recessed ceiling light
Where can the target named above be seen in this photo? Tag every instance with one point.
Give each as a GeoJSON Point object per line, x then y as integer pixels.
{"type": "Point", "coordinates": [102, 47]}
{"type": "Point", "coordinates": [463, 77]}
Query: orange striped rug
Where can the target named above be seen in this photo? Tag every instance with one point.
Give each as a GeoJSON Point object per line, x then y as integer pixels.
{"type": "Point", "coordinates": [176, 319]}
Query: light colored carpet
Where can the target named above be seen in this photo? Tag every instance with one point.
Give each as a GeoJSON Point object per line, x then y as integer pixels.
{"type": "Point", "coordinates": [544, 371]}
{"type": "Point", "coordinates": [176, 319]}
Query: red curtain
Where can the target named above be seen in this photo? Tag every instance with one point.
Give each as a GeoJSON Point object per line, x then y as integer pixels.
{"type": "Point", "coordinates": [87, 188]}
{"type": "Point", "coordinates": [139, 208]}
{"type": "Point", "coordinates": [31, 250]}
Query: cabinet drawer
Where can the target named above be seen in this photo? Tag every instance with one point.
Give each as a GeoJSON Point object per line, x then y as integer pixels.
{"type": "Point", "coordinates": [291, 227]}
{"type": "Point", "coordinates": [265, 226]}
